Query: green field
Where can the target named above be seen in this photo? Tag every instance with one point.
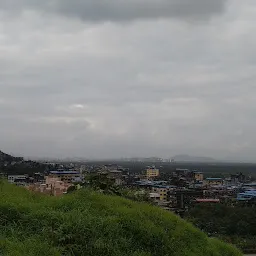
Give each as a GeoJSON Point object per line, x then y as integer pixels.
{"type": "Point", "coordinates": [88, 223]}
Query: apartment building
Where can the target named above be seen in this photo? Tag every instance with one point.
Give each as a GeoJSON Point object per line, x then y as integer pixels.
{"type": "Point", "coordinates": [13, 178]}
{"type": "Point", "coordinates": [198, 176]}
{"type": "Point", "coordinates": [214, 181]}
{"type": "Point", "coordinates": [162, 191]}
{"type": "Point", "coordinates": [53, 186]}
{"type": "Point", "coordinates": [65, 176]}
{"type": "Point", "coordinates": [152, 172]}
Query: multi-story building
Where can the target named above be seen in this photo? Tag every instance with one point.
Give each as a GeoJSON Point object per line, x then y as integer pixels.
{"type": "Point", "coordinates": [53, 186]}
{"type": "Point", "coordinates": [249, 195]}
{"type": "Point", "coordinates": [66, 176]}
{"type": "Point", "coordinates": [214, 181]}
{"type": "Point", "coordinates": [152, 172]}
{"type": "Point", "coordinates": [180, 172]}
{"type": "Point", "coordinates": [13, 178]}
{"type": "Point", "coordinates": [198, 176]}
{"type": "Point", "coordinates": [162, 191]}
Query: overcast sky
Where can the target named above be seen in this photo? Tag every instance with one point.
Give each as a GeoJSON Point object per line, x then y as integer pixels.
{"type": "Point", "coordinates": [116, 78]}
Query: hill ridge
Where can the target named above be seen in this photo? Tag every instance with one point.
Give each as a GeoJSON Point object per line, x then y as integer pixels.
{"type": "Point", "coordinates": [8, 158]}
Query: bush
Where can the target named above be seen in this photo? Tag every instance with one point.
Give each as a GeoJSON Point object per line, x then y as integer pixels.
{"type": "Point", "coordinates": [234, 224]}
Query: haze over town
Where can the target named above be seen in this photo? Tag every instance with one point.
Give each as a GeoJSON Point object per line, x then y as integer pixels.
{"type": "Point", "coordinates": [95, 80]}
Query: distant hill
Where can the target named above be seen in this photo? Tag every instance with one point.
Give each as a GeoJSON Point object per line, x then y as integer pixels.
{"type": "Point", "coordinates": [17, 165]}
{"type": "Point", "coordinates": [188, 158]}
{"type": "Point", "coordinates": [8, 158]}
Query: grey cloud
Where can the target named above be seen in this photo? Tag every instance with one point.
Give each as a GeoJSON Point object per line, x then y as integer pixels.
{"type": "Point", "coordinates": [146, 88]}
{"type": "Point", "coordinates": [114, 10]}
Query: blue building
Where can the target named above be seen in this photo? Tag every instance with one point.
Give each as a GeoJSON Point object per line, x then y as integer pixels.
{"type": "Point", "coordinates": [247, 195]}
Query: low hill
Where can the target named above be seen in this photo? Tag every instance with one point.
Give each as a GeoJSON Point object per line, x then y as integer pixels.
{"type": "Point", "coordinates": [8, 158]}
{"type": "Point", "coordinates": [24, 167]}
{"type": "Point", "coordinates": [17, 165]}
{"type": "Point", "coordinates": [89, 223]}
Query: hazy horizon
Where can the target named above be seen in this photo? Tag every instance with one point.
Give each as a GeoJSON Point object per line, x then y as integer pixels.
{"type": "Point", "coordinates": [113, 79]}
{"type": "Point", "coordinates": [177, 158]}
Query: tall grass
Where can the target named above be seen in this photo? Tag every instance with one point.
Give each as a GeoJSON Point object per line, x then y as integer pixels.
{"type": "Point", "coordinates": [88, 223]}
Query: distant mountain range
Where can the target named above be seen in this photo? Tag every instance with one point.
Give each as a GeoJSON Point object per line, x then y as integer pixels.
{"type": "Point", "coordinates": [188, 158]}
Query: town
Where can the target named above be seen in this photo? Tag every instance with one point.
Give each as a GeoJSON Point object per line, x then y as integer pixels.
{"type": "Point", "coordinates": [211, 196]}
{"type": "Point", "coordinates": [176, 191]}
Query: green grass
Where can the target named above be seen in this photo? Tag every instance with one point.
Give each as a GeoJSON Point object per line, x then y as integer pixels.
{"type": "Point", "coordinates": [88, 223]}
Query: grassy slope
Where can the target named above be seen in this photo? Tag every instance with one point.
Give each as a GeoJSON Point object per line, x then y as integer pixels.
{"type": "Point", "coordinates": [86, 223]}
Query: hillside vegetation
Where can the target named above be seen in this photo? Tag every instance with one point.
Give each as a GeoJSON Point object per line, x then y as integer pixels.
{"type": "Point", "coordinates": [17, 165]}
{"type": "Point", "coordinates": [233, 224]}
{"type": "Point", "coordinates": [5, 157]}
{"type": "Point", "coordinates": [88, 223]}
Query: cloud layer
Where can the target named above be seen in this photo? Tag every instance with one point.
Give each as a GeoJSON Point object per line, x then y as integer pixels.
{"type": "Point", "coordinates": [151, 87]}
{"type": "Point", "coordinates": [121, 10]}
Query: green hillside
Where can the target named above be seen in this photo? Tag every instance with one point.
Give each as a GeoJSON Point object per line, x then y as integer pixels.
{"type": "Point", "coordinates": [88, 223]}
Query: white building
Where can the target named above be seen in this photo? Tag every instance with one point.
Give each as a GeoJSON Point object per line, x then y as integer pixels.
{"type": "Point", "coordinates": [12, 178]}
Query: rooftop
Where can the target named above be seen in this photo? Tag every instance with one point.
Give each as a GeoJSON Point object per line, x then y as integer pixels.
{"type": "Point", "coordinates": [162, 186]}
{"type": "Point", "coordinates": [154, 195]}
{"type": "Point", "coordinates": [64, 172]}
{"type": "Point", "coordinates": [253, 184]}
{"type": "Point", "coordinates": [208, 200]}
{"type": "Point", "coordinates": [251, 193]}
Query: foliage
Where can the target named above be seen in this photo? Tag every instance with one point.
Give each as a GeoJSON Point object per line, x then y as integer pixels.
{"type": "Point", "coordinates": [1, 184]}
{"type": "Point", "coordinates": [25, 167]}
{"type": "Point", "coordinates": [88, 223]}
{"type": "Point", "coordinates": [71, 189]}
{"type": "Point", "coordinates": [233, 224]}
{"type": "Point", "coordinates": [135, 194]}
{"type": "Point", "coordinates": [103, 184]}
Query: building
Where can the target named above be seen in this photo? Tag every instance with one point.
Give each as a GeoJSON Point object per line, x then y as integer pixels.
{"type": "Point", "coordinates": [66, 176]}
{"type": "Point", "coordinates": [247, 195]}
{"type": "Point", "coordinates": [115, 176]}
{"type": "Point", "coordinates": [250, 186]}
{"type": "Point", "coordinates": [207, 200]}
{"type": "Point", "coordinates": [152, 172]}
{"type": "Point", "coordinates": [53, 186]}
{"type": "Point", "coordinates": [154, 196]}
{"type": "Point", "coordinates": [39, 177]}
{"type": "Point", "coordinates": [13, 178]}
{"type": "Point", "coordinates": [162, 191]}
{"type": "Point", "coordinates": [237, 178]}
{"type": "Point", "coordinates": [198, 176]}
{"type": "Point", "coordinates": [214, 181]}
{"type": "Point", "coordinates": [179, 172]}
